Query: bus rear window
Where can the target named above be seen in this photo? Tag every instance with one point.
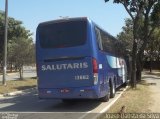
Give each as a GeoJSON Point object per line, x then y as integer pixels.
{"type": "Point", "coordinates": [63, 34]}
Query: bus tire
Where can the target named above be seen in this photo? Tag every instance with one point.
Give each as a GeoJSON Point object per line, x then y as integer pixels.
{"type": "Point", "coordinates": [105, 98]}
{"type": "Point", "coordinates": [112, 88]}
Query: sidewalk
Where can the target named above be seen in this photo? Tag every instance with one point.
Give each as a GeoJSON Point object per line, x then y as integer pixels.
{"type": "Point", "coordinates": [15, 75]}
{"type": "Point", "coordinates": [10, 73]}
{"type": "Point", "coordinates": [154, 84]}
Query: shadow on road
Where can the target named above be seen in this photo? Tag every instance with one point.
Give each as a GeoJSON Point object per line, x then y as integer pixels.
{"type": "Point", "coordinates": [153, 73]}
{"type": "Point", "coordinates": [29, 102]}
{"type": "Point", "coordinates": [144, 82]}
{"type": "Point", "coordinates": [151, 77]}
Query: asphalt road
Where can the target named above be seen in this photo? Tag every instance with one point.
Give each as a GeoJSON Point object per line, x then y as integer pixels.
{"type": "Point", "coordinates": [28, 106]}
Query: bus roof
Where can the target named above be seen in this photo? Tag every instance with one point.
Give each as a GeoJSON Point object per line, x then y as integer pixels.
{"type": "Point", "coordinates": [64, 20]}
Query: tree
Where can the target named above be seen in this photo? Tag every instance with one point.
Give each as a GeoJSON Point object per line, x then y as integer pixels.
{"type": "Point", "coordinates": [20, 44]}
{"type": "Point", "coordinates": [139, 11]}
{"type": "Point", "coordinates": [150, 23]}
{"type": "Point", "coordinates": [152, 51]}
{"type": "Point", "coordinates": [13, 28]}
{"type": "Point", "coordinates": [21, 52]}
{"type": "Point", "coordinates": [126, 36]}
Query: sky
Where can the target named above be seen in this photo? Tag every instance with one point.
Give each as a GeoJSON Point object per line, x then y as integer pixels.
{"type": "Point", "coordinates": [111, 17]}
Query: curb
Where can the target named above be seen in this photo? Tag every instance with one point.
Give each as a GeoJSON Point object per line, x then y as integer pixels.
{"type": "Point", "coordinates": [22, 92]}
{"type": "Point", "coordinates": [109, 106]}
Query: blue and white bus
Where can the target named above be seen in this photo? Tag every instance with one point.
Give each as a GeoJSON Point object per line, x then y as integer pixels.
{"type": "Point", "coordinates": [76, 59]}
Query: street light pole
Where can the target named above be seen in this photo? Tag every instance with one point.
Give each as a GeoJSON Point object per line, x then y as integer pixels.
{"type": "Point", "coordinates": [5, 44]}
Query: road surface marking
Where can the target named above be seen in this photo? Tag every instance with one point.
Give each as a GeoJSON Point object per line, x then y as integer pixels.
{"type": "Point", "coordinates": [104, 109]}
{"type": "Point", "coordinates": [110, 104]}
{"type": "Point", "coordinates": [86, 113]}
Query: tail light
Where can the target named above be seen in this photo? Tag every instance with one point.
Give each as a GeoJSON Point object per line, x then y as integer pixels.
{"type": "Point", "coordinates": [95, 71]}
{"type": "Point", "coordinates": [95, 66]}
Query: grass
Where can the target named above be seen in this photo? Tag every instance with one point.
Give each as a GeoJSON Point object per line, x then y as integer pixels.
{"type": "Point", "coordinates": [135, 100]}
{"type": "Point", "coordinates": [16, 85]}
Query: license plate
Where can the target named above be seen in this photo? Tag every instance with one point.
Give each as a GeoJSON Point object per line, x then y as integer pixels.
{"type": "Point", "coordinates": [64, 90]}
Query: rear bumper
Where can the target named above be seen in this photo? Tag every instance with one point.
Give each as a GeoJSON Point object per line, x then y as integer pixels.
{"type": "Point", "coordinates": [69, 93]}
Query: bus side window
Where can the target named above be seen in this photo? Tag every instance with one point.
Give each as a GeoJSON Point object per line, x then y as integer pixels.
{"type": "Point", "coordinates": [99, 39]}
{"type": "Point", "coordinates": [108, 43]}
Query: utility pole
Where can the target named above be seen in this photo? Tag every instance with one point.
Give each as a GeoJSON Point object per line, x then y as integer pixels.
{"type": "Point", "coordinates": [5, 44]}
